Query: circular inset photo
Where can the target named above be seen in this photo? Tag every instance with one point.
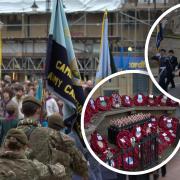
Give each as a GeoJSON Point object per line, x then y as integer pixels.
{"type": "Point", "coordinates": [128, 125]}
{"type": "Point", "coordinates": [163, 51]}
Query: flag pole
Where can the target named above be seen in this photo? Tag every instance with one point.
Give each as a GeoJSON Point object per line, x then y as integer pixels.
{"type": "Point", "coordinates": [1, 25]}
{"type": "Point", "coordinates": [102, 30]}
{"type": "Point", "coordinates": [158, 29]}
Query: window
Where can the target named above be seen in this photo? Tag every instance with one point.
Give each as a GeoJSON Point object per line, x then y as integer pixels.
{"type": "Point", "coordinates": [109, 92]}
{"type": "Point", "coordinates": [14, 22]}
{"type": "Point", "coordinates": [140, 84]}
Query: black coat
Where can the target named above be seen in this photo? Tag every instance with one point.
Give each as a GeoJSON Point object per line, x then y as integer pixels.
{"type": "Point", "coordinates": [173, 61]}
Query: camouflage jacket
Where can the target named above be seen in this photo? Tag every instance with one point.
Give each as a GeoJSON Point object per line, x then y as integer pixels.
{"type": "Point", "coordinates": [15, 166]}
{"type": "Point", "coordinates": [50, 146]}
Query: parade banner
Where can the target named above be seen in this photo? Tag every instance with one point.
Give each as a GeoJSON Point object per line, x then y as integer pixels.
{"type": "Point", "coordinates": [62, 72]}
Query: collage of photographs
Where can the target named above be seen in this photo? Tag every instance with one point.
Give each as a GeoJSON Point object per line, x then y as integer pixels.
{"type": "Point", "coordinates": [89, 89]}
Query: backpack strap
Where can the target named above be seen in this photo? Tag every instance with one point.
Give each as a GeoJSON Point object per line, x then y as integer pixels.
{"type": "Point", "coordinates": [29, 131]}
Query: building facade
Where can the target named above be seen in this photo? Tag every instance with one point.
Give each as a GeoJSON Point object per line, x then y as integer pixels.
{"type": "Point", "coordinates": [25, 36]}
{"type": "Point", "coordinates": [127, 84]}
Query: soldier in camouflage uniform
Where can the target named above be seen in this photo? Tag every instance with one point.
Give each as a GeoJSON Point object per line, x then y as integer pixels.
{"type": "Point", "coordinates": [48, 145]}
{"type": "Point", "coordinates": [15, 166]}
{"type": "Point", "coordinates": [67, 154]}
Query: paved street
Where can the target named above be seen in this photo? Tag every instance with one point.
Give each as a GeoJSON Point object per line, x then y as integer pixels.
{"type": "Point", "coordinates": [175, 91]}
{"type": "Point", "coordinates": [173, 168]}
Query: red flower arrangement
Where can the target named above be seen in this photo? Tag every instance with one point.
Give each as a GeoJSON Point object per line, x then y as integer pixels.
{"type": "Point", "coordinates": [92, 106]}
{"type": "Point", "coordinates": [172, 135]}
{"type": "Point", "coordinates": [149, 128]}
{"type": "Point", "coordinates": [98, 143]}
{"type": "Point", "coordinates": [140, 100]}
{"type": "Point", "coordinates": [123, 140]}
{"type": "Point", "coordinates": [162, 100]}
{"type": "Point", "coordinates": [127, 101]}
{"type": "Point", "coordinates": [115, 100]}
{"type": "Point", "coordinates": [108, 157]}
{"type": "Point", "coordinates": [130, 161]}
{"type": "Point", "coordinates": [167, 123]}
{"type": "Point", "coordinates": [154, 120]}
{"type": "Point", "coordinates": [87, 116]}
{"type": "Point", "coordinates": [172, 103]}
{"type": "Point", "coordinates": [137, 132]}
{"type": "Point", "coordinates": [166, 138]}
{"type": "Point", "coordinates": [152, 100]}
{"type": "Point", "coordinates": [103, 103]}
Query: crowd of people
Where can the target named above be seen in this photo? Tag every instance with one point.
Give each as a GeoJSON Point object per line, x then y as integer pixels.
{"type": "Point", "coordinates": [168, 64]}
{"type": "Point", "coordinates": [33, 140]}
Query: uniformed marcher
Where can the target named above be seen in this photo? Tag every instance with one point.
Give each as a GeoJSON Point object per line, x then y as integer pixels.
{"type": "Point", "coordinates": [169, 73]}
{"type": "Point", "coordinates": [67, 154]}
{"type": "Point", "coordinates": [162, 67]}
{"type": "Point", "coordinates": [174, 64]}
{"type": "Point", "coordinates": [46, 143]}
{"type": "Point", "coordinates": [15, 166]}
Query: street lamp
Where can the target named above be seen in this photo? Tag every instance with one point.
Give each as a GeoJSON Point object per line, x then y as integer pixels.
{"type": "Point", "coordinates": [34, 6]}
{"type": "Point", "coordinates": [130, 49]}
{"type": "Point", "coordinates": [129, 56]}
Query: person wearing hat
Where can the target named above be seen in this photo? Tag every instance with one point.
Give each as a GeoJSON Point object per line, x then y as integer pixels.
{"type": "Point", "coordinates": [46, 143]}
{"type": "Point", "coordinates": [67, 153]}
{"type": "Point", "coordinates": [10, 121]}
{"type": "Point", "coordinates": [55, 121]}
{"type": "Point", "coordinates": [31, 109]}
{"type": "Point", "coordinates": [18, 99]}
{"type": "Point", "coordinates": [15, 165]}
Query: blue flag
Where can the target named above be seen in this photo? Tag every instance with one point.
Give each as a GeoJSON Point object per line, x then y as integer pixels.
{"type": "Point", "coordinates": [159, 36]}
{"type": "Point", "coordinates": [62, 72]}
{"type": "Point", "coordinates": [39, 90]}
{"type": "Point", "coordinates": [104, 67]}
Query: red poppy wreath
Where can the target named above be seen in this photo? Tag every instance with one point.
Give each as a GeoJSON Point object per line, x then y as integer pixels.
{"type": "Point", "coordinates": [103, 103]}
{"type": "Point", "coordinates": [98, 143]}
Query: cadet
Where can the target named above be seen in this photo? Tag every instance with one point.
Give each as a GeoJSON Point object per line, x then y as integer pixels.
{"type": "Point", "coordinates": [15, 166]}
{"type": "Point", "coordinates": [174, 64]}
{"type": "Point", "coordinates": [68, 155]}
{"type": "Point", "coordinates": [45, 143]}
{"type": "Point", "coordinates": [162, 60]}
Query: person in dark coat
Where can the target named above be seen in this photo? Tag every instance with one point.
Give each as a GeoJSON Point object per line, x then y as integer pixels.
{"type": "Point", "coordinates": [169, 73]}
{"type": "Point", "coordinates": [174, 63]}
{"type": "Point", "coordinates": [162, 67]}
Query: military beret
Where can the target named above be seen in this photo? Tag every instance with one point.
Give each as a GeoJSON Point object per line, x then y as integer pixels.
{"type": "Point", "coordinates": [55, 121]}
{"type": "Point", "coordinates": [18, 134]}
{"type": "Point", "coordinates": [32, 100]}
